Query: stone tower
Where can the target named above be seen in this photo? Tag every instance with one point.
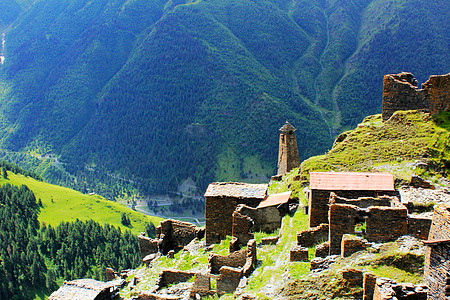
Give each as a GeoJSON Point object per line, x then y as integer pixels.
{"type": "Point", "coordinates": [288, 157]}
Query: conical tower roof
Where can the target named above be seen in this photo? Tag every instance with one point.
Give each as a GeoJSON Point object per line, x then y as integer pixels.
{"type": "Point", "coordinates": [287, 127]}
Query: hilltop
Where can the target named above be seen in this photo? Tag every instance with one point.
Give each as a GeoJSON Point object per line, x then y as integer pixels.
{"type": "Point", "coordinates": [409, 143]}
{"type": "Point", "coordinates": [144, 94]}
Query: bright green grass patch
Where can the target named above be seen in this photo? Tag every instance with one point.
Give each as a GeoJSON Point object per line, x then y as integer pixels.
{"type": "Point", "coordinates": [62, 204]}
{"type": "Point", "coordinates": [397, 274]}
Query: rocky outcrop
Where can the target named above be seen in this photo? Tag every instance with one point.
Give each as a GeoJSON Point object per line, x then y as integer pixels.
{"type": "Point", "coordinates": [400, 92]}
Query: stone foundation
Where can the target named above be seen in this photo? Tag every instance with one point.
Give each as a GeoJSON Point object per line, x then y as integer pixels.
{"type": "Point", "coordinates": [271, 240]}
{"type": "Point", "coordinates": [320, 263]}
{"type": "Point", "coordinates": [386, 289]}
{"type": "Point", "coordinates": [298, 253]}
{"type": "Point", "coordinates": [167, 277]}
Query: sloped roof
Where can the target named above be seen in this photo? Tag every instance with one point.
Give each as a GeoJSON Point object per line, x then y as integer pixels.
{"type": "Point", "coordinates": [275, 199]}
{"type": "Point", "coordinates": [287, 127]}
{"type": "Point", "coordinates": [347, 181]}
{"type": "Point", "coordinates": [82, 289]}
{"type": "Point", "coordinates": [236, 190]}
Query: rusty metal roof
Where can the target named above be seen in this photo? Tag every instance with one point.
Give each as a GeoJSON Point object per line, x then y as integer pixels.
{"type": "Point", "coordinates": [275, 199]}
{"type": "Point", "coordinates": [83, 289]}
{"type": "Point", "coordinates": [236, 190]}
{"type": "Point", "coordinates": [348, 181]}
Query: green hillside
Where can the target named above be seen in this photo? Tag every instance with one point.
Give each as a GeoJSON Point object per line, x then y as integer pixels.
{"type": "Point", "coordinates": [140, 95]}
{"type": "Point", "coordinates": [61, 204]}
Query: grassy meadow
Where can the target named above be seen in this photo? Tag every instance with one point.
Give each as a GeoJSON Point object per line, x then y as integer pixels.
{"type": "Point", "coordinates": [62, 204]}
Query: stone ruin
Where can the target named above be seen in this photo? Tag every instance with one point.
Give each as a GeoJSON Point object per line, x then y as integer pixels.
{"type": "Point", "coordinates": [348, 185]}
{"type": "Point", "coordinates": [171, 235]}
{"type": "Point", "coordinates": [400, 92]}
{"type": "Point", "coordinates": [221, 200]}
{"type": "Point", "coordinates": [386, 221]}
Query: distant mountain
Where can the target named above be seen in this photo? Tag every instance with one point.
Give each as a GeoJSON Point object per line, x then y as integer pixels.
{"type": "Point", "coordinates": [148, 93]}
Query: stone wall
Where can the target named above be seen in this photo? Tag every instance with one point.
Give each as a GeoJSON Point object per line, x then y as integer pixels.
{"type": "Point", "coordinates": [174, 234]}
{"type": "Point", "coordinates": [236, 260]}
{"type": "Point", "coordinates": [313, 235]}
{"type": "Point", "coordinates": [369, 283]}
{"type": "Point", "coordinates": [385, 224]}
{"type": "Point", "coordinates": [319, 199]}
{"type": "Point", "coordinates": [342, 220]}
{"type": "Point", "coordinates": [147, 245]}
{"type": "Point", "coordinates": [229, 279]}
{"type": "Point", "coordinates": [266, 219]}
{"type": "Point", "coordinates": [437, 257]}
{"type": "Point", "coordinates": [419, 226]}
{"type": "Point", "coordinates": [400, 92]}
{"type": "Point", "coordinates": [438, 93]}
{"type": "Point", "coordinates": [242, 230]}
{"type": "Point", "coordinates": [219, 216]}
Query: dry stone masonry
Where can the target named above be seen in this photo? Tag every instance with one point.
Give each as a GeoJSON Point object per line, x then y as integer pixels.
{"type": "Point", "coordinates": [221, 200]}
{"type": "Point", "coordinates": [288, 156]}
{"type": "Point", "coordinates": [400, 92]}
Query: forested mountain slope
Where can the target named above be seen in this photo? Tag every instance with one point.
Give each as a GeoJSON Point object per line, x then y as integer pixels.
{"type": "Point", "coordinates": [157, 91]}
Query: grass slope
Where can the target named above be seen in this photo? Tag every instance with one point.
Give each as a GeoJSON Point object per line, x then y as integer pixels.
{"type": "Point", "coordinates": [61, 204]}
{"type": "Point", "coordinates": [393, 146]}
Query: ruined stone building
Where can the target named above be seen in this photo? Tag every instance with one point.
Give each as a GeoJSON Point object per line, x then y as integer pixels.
{"type": "Point", "coordinates": [351, 185]}
{"type": "Point", "coordinates": [221, 200]}
{"type": "Point", "coordinates": [437, 257]}
{"type": "Point", "coordinates": [87, 289]}
{"type": "Point", "coordinates": [288, 157]}
{"type": "Point", "coordinates": [400, 92]}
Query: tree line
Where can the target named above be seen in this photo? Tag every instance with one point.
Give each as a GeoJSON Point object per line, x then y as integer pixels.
{"type": "Point", "coordinates": [37, 257]}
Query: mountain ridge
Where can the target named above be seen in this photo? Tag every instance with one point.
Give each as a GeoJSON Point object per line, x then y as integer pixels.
{"type": "Point", "coordinates": [146, 90]}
